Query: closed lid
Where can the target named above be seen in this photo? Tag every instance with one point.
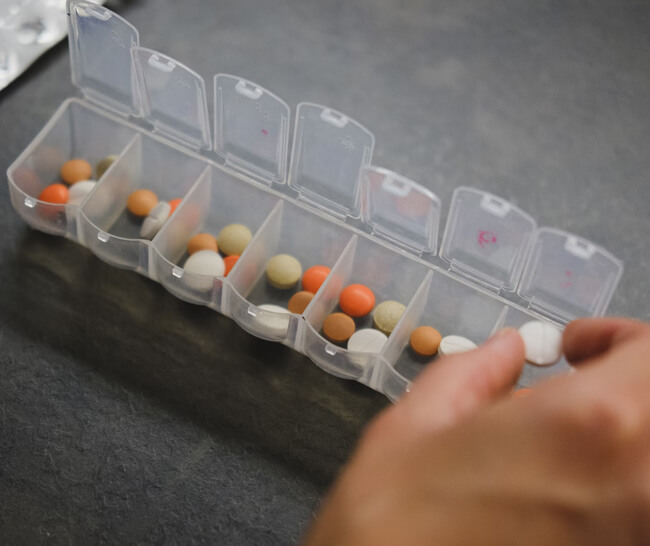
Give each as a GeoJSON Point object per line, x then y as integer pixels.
{"type": "Point", "coordinates": [100, 56]}
{"type": "Point", "coordinates": [568, 277]}
{"type": "Point", "coordinates": [251, 128]}
{"type": "Point", "coordinates": [400, 210]}
{"type": "Point", "coordinates": [173, 98]}
{"type": "Point", "coordinates": [329, 151]}
{"type": "Point", "coordinates": [487, 238]}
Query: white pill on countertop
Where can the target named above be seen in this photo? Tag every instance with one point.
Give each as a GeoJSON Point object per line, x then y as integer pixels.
{"type": "Point", "coordinates": [155, 220]}
{"type": "Point", "coordinates": [277, 323]}
{"type": "Point", "coordinates": [543, 342]}
{"type": "Point", "coordinates": [451, 345]}
{"type": "Point", "coordinates": [204, 262]}
{"type": "Point", "coordinates": [367, 340]}
{"type": "Point", "coordinates": [78, 191]}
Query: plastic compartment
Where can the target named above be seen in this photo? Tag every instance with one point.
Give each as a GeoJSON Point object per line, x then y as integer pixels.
{"type": "Point", "coordinates": [289, 229]}
{"type": "Point", "coordinates": [217, 200]}
{"type": "Point", "coordinates": [531, 374]}
{"type": "Point", "coordinates": [568, 277]}
{"type": "Point", "coordinates": [75, 131]}
{"type": "Point", "coordinates": [388, 274]}
{"type": "Point", "coordinates": [452, 307]}
{"type": "Point", "coordinates": [107, 228]}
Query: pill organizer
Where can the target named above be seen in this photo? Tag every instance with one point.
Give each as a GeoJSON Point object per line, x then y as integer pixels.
{"type": "Point", "coordinates": [323, 202]}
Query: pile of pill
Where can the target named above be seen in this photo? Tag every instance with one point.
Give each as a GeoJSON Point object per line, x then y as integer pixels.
{"type": "Point", "coordinates": [283, 272]}
{"type": "Point", "coordinates": [76, 181]}
{"type": "Point", "coordinates": [216, 256]}
{"type": "Point", "coordinates": [144, 203]}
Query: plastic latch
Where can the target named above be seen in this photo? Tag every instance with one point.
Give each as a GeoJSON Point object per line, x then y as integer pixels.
{"type": "Point", "coordinates": [100, 58]}
{"type": "Point", "coordinates": [329, 152]}
{"type": "Point", "coordinates": [173, 98]}
{"type": "Point", "coordinates": [487, 239]}
{"type": "Point", "coordinates": [400, 210]}
{"type": "Point", "coordinates": [568, 277]}
{"type": "Point", "coordinates": [251, 128]}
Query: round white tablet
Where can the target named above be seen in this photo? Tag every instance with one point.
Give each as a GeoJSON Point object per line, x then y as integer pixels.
{"type": "Point", "coordinates": [155, 220]}
{"type": "Point", "coordinates": [79, 191]}
{"type": "Point", "coordinates": [543, 342]}
{"type": "Point", "coordinates": [276, 323]}
{"type": "Point", "coordinates": [204, 262]}
{"type": "Point", "coordinates": [451, 345]}
{"type": "Point", "coordinates": [367, 340]}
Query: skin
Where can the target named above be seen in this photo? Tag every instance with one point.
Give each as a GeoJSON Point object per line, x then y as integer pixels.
{"type": "Point", "coordinates": [457, 461]}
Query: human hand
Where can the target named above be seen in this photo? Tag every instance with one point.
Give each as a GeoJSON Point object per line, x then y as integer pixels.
{"type": "Point", "coordinates": [457, 461]}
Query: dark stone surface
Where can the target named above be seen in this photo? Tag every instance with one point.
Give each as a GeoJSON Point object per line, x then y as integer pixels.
{"type": "Point", "coordinates": [127, 416]}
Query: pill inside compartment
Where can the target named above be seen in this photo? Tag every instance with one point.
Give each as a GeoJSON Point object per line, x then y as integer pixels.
{"type": "Point", "coordinates": [290, 229]}
{"type": "Point", "coordinates": [217, 200]}
{"type": "Point", "coordinates": [110, 230]}
{"type": "Point", "coordinates": [388, 275]}
{"type": "Point", "coordinates": [453, 308]}
{"type": "Point", "coordinates": [75, 131]}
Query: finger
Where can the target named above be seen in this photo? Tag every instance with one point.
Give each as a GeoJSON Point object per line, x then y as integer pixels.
{"type": "Point", "coordinates": [455, 386]}
{"type": "Point", "coordinates": [585, 339]}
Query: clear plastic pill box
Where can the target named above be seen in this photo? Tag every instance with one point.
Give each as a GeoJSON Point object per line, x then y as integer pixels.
{"type": "Point", "coordinates": [323, 202]}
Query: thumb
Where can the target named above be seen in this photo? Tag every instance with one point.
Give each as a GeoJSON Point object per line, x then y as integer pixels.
{"type": "Point", "coordinates": [454, 387]}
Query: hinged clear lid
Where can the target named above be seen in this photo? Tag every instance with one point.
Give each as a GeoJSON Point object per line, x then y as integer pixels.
{"type": "Point", "coordinates": [173, 98]}
{"type": "Point", "coordinates": [568, 277]}
{"type": "Point", "coordinates": [251, 128]}
{"type": "Point", "coordinates": [487, 238]}
{"type": "Point", "coordinates": [400, 210]}
{"type": "Point", "coordinates": [329, 150]}
{"type": "Point", "coordinates": [100, 56]}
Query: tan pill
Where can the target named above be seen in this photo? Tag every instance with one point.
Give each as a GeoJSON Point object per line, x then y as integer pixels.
{"type": "Point", "coordinates": [103, 165]}
{"type": "Point", "coordinates": [387, 315]}
{"type": "Point", "coordinates": [299, 301]}
{"type": "Point", "coordinates": [425, 340]}
{"type": "Point", "coordinates": [338, 327]}
{"type": "Point", "coordinates": [202, 241]}
{"type": "Point", "coordinates": [76, 170]}
{"type": "Point", "coordinates": [140, 202]}
{"type": "Point", "coordinates": [233, 239]}
{"type": "Point", "coordinates": [283, 271]}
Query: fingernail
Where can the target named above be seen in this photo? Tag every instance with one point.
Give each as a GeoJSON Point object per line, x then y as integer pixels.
{"type": "Point", "coordinates": [501, 334]}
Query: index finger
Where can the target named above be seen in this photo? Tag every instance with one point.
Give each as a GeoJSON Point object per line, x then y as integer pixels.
{"type": "Point", "coordinates": [585, 339]}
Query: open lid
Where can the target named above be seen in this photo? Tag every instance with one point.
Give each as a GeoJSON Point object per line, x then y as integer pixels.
{"type": "Point", "coordinates": [329, 150]}
{"type": "Point", "coordinates": [400, 210]}
{"type": "Point", "coordinates": [568, 277]}
{"type": "Point", "coordinates": [487, 238]}
{"type": "Point", "coordinates": [100, 56]}
{"type": "Point", "coordinates": [251, 128]}
{"type": "Point", "coordinates": [173, 98]}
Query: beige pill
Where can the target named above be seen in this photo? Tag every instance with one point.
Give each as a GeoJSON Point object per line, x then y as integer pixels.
{"type": "Point", "coordinates": [283, 271]}
{"type": "Point", "coordinates": [387, 315]}
{"type": "Point", "coordinates": [233, 239]}
{"type": "Point", "coordinates": [103, 165]}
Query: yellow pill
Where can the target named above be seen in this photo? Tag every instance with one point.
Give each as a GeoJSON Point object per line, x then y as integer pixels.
{"type": "Point", "coordinates": [233, 239]}
{"type": "Point", "coordinates": [283, 271]}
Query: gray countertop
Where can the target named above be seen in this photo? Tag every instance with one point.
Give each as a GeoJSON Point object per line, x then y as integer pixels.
{"type": "Point", "coordinates": [129, 416]}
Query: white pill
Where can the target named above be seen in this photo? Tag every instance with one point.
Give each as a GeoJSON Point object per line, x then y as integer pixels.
{"type": "Point", "coordinates": [204, 262]}
{"type": "Point", "coordinates": [543, 342]}
{"type": "Point", "coordinates": [155, 220]}
{"type": "Point", "coordinates": [276, 322]}
{"type": "Point", "coordinates": [79, 191]}
{"type": "Point", "coordinates": [451, 345]}
{"type": "Point", "coordinates": [367, 340]}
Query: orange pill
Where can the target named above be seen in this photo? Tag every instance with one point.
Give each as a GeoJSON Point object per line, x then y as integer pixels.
{"type": "Point", "coordinates": [76, 170]}
{"type": "Point", "coordinates": [356, 300]}
{"type": "Point", "coordinates": [202, 241]}
{"type": "Point", "coordinates": [338, 327]}
{"type": "Point", "coordinates": [230, 262]}
{"type": "Point", "coordinates": [55, 193]}
{"type": "Point", "coordinates": [299, 301]}
{"type": "Point", "coordinates": [425, 340]}
{"type": "Point", "coordinates": [173, 204]}
{"type": "Point", "coordinates": [140, 202]}
{"type": "Point", "coordinates": [521, 393]}
{"type": "Point", "coordinates": [314, 277]}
